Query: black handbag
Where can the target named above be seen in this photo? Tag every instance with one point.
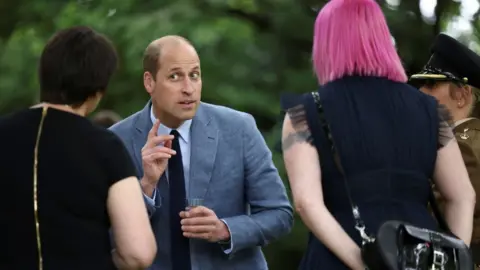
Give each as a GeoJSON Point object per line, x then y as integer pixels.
{"type": "Point", "coordinates": [398, 245]}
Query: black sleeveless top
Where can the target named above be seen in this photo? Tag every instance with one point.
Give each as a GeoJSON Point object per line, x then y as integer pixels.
{"type": "Point", "coordinates": [387, 135]}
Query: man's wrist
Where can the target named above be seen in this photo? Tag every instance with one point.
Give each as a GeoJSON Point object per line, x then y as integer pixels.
{"type": "Point", "coordinates": [224, 237]}
{"type": "Point", "coordinates": [224, 242]}
{"type": "Point", "coordinates": [147, 187]}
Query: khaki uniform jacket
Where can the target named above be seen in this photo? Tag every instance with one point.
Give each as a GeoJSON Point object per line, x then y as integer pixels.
{"type": "Point", "coordinates": [468, 138]}
{"type": "Point", "coordinates": [467, 135]}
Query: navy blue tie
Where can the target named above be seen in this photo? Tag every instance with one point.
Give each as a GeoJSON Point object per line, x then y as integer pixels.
{"type": "Point", "coordinates": [180, 245]}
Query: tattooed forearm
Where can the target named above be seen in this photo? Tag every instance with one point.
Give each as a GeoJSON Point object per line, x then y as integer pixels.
{"type": "Point", "coordinates": [295, 137]}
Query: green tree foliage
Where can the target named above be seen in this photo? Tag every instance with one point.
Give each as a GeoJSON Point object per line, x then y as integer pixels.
{"type": "Point", "coordinates": [251, 51]}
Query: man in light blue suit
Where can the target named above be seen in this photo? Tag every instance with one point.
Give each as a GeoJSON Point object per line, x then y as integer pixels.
{"type": "Point", "coordinates": [184, 148]}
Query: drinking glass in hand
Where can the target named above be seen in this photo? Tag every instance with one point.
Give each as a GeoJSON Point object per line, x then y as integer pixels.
{"type": "Point", "coordinates": [193, 202]}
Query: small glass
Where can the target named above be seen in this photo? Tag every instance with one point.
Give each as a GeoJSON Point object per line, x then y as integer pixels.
{"type": "Point", "coordinates": [193, 202]}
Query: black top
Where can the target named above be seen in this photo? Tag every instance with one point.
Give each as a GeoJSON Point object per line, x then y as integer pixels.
{"type": "Point", "coordinates": [387, 135]}
{"type": "Point", "coordinates": [77, 164]}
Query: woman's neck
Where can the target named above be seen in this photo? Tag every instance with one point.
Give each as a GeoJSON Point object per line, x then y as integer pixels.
{"type": "Point", "coordinates": [67, 108]}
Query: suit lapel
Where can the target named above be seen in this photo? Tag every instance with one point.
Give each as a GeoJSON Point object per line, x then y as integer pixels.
{"type": "Point", "coordinates": [204, 137]}
{"type": "Point", "coordinates": [142, 126]}
{"type": "Point", "coordinates": [204, 140]}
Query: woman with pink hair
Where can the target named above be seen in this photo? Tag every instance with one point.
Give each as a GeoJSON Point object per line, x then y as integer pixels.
{"type": "Point", "coordinates": [390, 139]}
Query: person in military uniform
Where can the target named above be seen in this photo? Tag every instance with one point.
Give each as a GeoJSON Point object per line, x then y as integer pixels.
{"type": "Point", "coordinates": [452, 76]}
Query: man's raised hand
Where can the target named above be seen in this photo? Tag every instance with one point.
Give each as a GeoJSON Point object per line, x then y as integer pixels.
{"type": "Point", "coordinates": [155, 155]}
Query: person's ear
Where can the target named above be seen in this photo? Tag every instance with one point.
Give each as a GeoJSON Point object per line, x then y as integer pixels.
{"type": "Point", "coordinates": [148, 82]}
{"type": "Point", "coordinates": [465, 96]}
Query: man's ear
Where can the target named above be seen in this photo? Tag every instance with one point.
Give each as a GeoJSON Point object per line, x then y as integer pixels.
{"type": "Point", "coordinates": [148, 82]}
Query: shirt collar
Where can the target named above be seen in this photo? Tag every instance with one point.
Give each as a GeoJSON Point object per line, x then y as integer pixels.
{"type": "Point", "coordinates": [459, 122]}
{"type": "Point", "coordinates": [183, 130]}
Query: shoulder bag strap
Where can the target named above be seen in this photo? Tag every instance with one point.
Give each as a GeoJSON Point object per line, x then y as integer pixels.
{"type": "Point", "coordinates": [359, 224]}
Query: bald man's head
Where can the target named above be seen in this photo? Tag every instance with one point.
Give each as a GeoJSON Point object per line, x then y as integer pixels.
{"type": "Point", "coordinates": [152, 53]}
{"type": "Point", "coordinates": [172, 77]}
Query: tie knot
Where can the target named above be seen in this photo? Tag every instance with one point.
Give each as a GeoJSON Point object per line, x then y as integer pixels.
{"type": "Point", "coordinates": [175, 133]}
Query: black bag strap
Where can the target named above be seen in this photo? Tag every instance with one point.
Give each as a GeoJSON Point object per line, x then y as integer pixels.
{"type": "Point", "coordinates": [359, 224]}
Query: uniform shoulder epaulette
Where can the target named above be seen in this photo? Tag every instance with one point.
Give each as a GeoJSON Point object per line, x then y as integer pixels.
{"type": "Point", "coordinates": [464, 135]}
{"type": "Point", "coordinates": [468, 130]}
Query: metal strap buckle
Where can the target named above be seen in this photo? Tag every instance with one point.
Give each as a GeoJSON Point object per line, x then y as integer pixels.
{"type": "Point", "coordinates": [365, 237]}
{"type": "Point", "coordinates": [360, 227]}
{"type": "Point", "coordinates": [418, 252]}
{"type": "Point", "coordinates": [439, 259]}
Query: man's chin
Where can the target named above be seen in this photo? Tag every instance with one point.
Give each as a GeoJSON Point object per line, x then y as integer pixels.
{"type": "Point", "coordinates": [185, 116]}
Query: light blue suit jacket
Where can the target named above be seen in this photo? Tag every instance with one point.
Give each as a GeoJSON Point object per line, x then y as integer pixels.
{"type": "Point", "coordinates": [231, 168]}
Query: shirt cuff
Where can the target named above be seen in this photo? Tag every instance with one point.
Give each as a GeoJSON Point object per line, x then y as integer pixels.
{"type": "Point", "coordinates": [154, 196]}
{"type": "Point", "coordinates": [227, 246]}
{"type": "Point", "coordinates": [152, 199]}
{"type": "Point", "coordinates": [150, 202]}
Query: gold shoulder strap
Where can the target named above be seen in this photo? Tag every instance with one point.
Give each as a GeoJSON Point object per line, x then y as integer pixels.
{"type": "Point", "coordinates": [35, 189]}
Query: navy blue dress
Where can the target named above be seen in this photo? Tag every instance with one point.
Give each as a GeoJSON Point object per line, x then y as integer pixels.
{"type": "Point", "coordinates": [387, 135]}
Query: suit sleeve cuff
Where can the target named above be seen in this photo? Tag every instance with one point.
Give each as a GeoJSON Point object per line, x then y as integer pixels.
{"type": "Point", "coordinates": [227, 246]}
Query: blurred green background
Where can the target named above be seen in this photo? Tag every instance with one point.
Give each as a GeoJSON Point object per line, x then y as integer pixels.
{"type": "Point", "coordinates": [251, 51]}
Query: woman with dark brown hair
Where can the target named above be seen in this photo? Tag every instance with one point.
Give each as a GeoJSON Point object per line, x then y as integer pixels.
{"type": "Point", "coordinates": [65, 182]}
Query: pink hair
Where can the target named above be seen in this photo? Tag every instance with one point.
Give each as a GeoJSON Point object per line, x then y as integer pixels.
{"type": "Point", "coordinates": [351, 37]}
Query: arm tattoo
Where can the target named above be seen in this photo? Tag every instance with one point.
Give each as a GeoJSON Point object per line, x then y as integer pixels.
{"type": "Point", "coordinates": [295, 137]}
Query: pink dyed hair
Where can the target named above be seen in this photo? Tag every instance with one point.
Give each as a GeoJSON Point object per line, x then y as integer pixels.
{"type": "Point", "coordinates": [351, 37]}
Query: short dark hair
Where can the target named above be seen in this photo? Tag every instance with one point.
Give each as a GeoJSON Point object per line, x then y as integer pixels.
{"type": "Point", "coordinates": [75, 65]}
{"type": "Point", "coordinates": [150, 60]}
